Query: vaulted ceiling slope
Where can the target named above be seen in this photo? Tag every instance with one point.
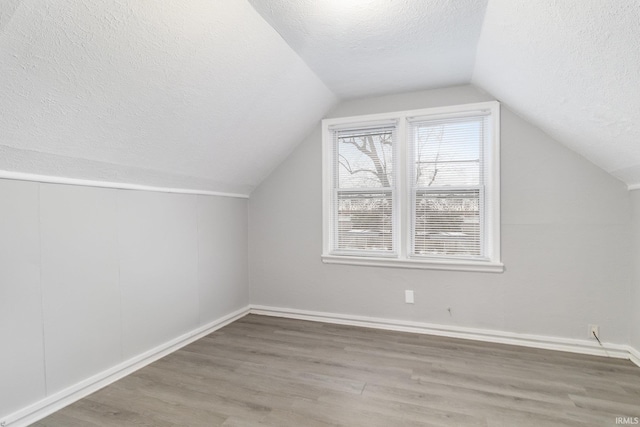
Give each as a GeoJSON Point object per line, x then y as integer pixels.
{"type": "Point", "coordinates": [571, 67]}
{"type": "Point", "coordinates": [207, 95]}
{"type": "Point", "coordinates": [198, 94]}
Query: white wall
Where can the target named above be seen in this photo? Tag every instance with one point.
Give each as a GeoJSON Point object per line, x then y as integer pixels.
{"type": "Point", "coordinates": [565, 242]}
{"type": "Point", "coordinates": [90, 277]}
{"type": "Point", "coordinates": [635, 294]}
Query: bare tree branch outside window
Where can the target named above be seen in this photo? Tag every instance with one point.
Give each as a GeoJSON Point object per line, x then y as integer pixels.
{"type": "Point", "coordinates": [372, 146]}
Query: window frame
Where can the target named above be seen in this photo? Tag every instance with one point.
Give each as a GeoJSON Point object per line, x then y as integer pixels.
{"type": "Point", "coordinates": [393, 191]}
{"type": "Point", "coordinates": [403, 210]}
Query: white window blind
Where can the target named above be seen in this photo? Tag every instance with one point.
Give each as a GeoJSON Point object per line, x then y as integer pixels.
{"type": "Point", "coordinates": [414, 189]}
{"type": "Point", "coordinates": [363, 206]}
{"type": "Point", "coordinates": [447, 186]}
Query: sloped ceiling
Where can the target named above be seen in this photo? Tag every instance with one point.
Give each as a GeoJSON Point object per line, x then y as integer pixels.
{"type": "Point", "coordinates": [569, 66]}
{"type": "Point", "coordinates": [207, 95]}
{"type": "Point", "coordinates": [572, 67]}
{"type": "Point", "coordinates": [198, 94]}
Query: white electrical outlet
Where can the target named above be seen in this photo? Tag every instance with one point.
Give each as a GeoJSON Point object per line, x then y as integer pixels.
{"type": "Point", "coordinates": [408, 297]}
{"type": "Point", "coordinates": [594, 329]}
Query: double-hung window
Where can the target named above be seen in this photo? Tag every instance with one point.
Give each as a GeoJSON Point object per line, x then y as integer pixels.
{"type": "Point", "coordinates": [363, 195]}
{"type": "Point", "coordinates": [417, 189]}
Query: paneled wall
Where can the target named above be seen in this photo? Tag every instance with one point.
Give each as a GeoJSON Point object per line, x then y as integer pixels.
{"type": "Point", "coordinates": [90, 277]}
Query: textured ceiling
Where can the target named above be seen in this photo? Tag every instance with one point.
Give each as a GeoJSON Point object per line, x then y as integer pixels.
{"type": "Point", "coordinates": [371, 47]}
{"type": "Point", "coordinates": [7, 9]}
{"type": "Point", "coordinates": [207, 95]}
{"type": "Point", "coordinates": [199, 94]}
{"type": "Point", "coordinates": [572, 68]}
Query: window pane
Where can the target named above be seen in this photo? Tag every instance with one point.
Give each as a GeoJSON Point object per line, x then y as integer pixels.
{"type": "Point", "coordinates": [447, 152]}
{"type": "Point", "coordinates": [457, 174]}
{"type": "Point", "coordinates": [447, 223]}
{"type": "Point", "coordinates": [365, 221]}
{"type": "Point", "coordinates": [365, 159]}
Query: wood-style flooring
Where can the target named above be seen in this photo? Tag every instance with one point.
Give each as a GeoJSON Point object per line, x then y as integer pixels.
{"type": "Point", "coordinates": [262, 371]}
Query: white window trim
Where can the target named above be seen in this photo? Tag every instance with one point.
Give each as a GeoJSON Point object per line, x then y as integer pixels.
{"type": "Point", "coordinates": [491, 264]}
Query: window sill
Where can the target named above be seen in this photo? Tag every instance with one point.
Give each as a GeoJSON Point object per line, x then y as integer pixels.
{"type": "Point", "coordinates": [450, 265]}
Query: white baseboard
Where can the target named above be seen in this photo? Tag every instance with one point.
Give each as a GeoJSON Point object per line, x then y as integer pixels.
{"type": "Point", "coordinates": [59, 400]}
{"type": "Point", "coordinates": [634, 355]}
{"type": "Point", "coordinates": [536, 341]}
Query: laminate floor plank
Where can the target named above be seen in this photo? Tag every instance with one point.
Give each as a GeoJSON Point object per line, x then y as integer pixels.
{"type": "Point", "coordinates": [146, 407]}
{"type": "Point", "coordinates": [268, 371]}
{"type": "Point", "coordinates": [60, 419]}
